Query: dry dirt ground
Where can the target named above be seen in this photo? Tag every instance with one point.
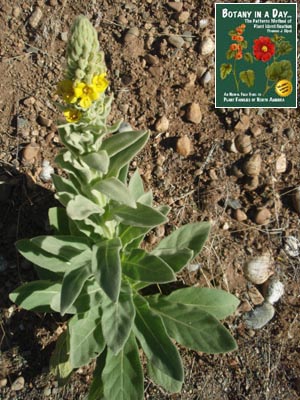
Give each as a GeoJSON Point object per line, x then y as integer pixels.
{"type": "Point", "coordinates": [152, 76]}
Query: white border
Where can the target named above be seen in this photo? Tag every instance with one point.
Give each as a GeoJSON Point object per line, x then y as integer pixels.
{"type": "Point", "coordinates": [258, 4]}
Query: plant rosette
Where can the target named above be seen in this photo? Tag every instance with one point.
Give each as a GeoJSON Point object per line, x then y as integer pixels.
{"type": "Point", "coordinates": [93, 267]}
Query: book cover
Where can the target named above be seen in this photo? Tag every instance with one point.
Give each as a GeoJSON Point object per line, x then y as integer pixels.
{"type": "Point", "coordinates": [256, 55]}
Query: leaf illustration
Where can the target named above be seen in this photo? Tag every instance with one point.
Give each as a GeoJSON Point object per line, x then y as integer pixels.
{"type": "Point", "coordinates": [230, 54]}
{"type": "Point", "coordinates": [283, 47]}
{"type": "Point", "coordinates": [225, 70]}
{"type": "Point", "coordinates": [279, 70]}
{"type": "Point", "coordinates": [248, 57]}
{"type": "Point", "coordinates": [247, 77]}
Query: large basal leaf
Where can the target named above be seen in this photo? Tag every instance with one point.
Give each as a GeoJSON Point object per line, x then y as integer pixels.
{"type": "Point", "coordinates": [81, 207]}
{"type": "Point", "coordinates": [86, 338]}
{"type": "Point", "coordinates": [117, 318]}
{"type": "Point", "coordinates": [64, 247]}
{"type": "Point", "coordinates": [65, 188]}
{"type": "Point", "coordinates": [158, 347]}
{"type": "Point", "coordinates": [123, 157]}
{"type": "Point", "coordinates": [60, 365]}
{"type": "Point", "coordinates": [190, 236]}
{"type": "Point", "coordinates": [89, 297]}
{"type": "Point", "coordinates": [33, 253]}
{"type": "Point", "coordinates": [142, 215]}
{"type": "Point", "coordinates": [279, 70]}
{"type": "Point", "coordinates": [59, 221]}
{"type": "Point", "coordinates": [194, 328]}
{"type": "Point", "coordinates": [175, 258]}
{"type": "Point", "coordinates": [98, 160]}
{"type": "Point", "coordinates": [122, 376]}
{"type": "Point", "coordinates": [35, 296]}
{"type": "Point", "coordinates": [120, 141]}
{"type": "Point", "coordinates": [163, 380]}
{"type": "Point", "coordinates": [114, 189]}
{"type": "Point", "coordinates": [216, 302]}
{"type": "Point", "coordinates": [106, 266]}
{"type": "Point", "coordinates": [136, 186]}
{"type": "Point", "coordinates": [141, 266]}
{"type": "Point", "coordinates": [72, 285]}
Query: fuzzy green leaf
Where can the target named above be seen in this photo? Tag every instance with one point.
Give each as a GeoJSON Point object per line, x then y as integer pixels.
{"type": "Point", "coordinates": [247, 77]}
{"type": "Point", "coordinates": [81, 207]}
{"type": "Point", "coordinates": [141, 266]}
{"type": "Point", "coordinates": [158, 347]}
{"type": "Point", "coordinates": [193, 328]}
{"type": "Point", "coordinates": [40, 257]}
{"type": "Point", "coordinates": [136, 186]}
{"type": "Point", "coordinates": [36, 295]}
{"type": "Point", "coordinates": [59, 220]}
{"type": "Point", "coordinates": [60, 365]}
{"type": "Point", "coordinates": [72, 285]}
{"type": "Point", "coordinates": [98, 161]}
{"type": "Point", "coordinates": [140, 216]}
{"type": "Point", "coordinates": [86, 338]}
{"type": "Point", "coordinates": [121, 141]}
{"type": "Point", "coordinates": [90, 296]}
{"type": "Point", "coordinates": [190, 236]}
{"type": "Point", "coordinates": [216, 302]}
{"type": "Point", "coordinates": [283, 47]}
{"type": "Point", "coordinates": [163, 380]}
{"type": "Point", "coordinates": [114, 189]}
{"type": "Point", "coordinates": [175, 258]}
{"type": "Point", "coordinates": [106, 266]}
{"type": "Point", "coordinates": [225, 70]}
{"type": "Point", "coordinates": [248, 57]}
{"type": "Point", "coordinates": [117, 318]}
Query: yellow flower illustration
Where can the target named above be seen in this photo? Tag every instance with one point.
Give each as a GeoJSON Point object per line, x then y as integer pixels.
{"type": "Point", "coordinates": [86, 93]}
{"type": "Point", "coordinates": [66, 91]}
{"type": "Point", "coordinates": [72, 115]}
{"type": "Point", "coordinates": [100, 82]}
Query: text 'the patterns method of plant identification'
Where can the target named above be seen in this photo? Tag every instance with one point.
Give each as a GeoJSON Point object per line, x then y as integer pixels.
{"type": "Point", "coordinates": [93, 267]}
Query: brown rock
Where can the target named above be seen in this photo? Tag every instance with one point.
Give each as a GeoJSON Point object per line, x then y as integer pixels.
{"type": "Point", "coordinates": [183, 16]}
{"type": "Point", "coordinates": [162, 124]}
{"type": "Point", "coordinates": [177, 6]}
{"type": "Point", "coordinates": [252, 166]}
{"type": "Point", "coordinates": [30, 153]}
{"type": "Point", "coordinates": [152, 60]}
{"type": "Point", "coordinates": [281, 164]}
{"type": "Point", "coordinates": [256, 131]}
{"type": "Point", "coordinates": [263, 216]}
{"type": "Point", "coordinates": [44, 121]}
{"type": "Point", "coordinates": [184, 146]}
{"type": "Point", "coordinates": [252, 183]}
{"type": "Point", "coordinates": [296, 199]}
{"type": "Point", "coordinates": [35, 18]}
{"type": "Point", "coordinates": [193, 113]}
{"type": "Point", "coordinates": [243, 124]}
{"type": "Point", "coordinates": [239, 215]}
{"type": "Point", "coordinates": [243, 143]}
{"type": "Point", "coordinates": [255, 296]}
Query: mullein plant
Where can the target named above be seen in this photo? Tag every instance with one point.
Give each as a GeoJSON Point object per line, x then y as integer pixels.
{"type": "Point", "coordinates": [94, 268]}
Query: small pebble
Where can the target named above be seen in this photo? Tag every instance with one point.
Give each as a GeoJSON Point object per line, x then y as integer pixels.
{"type": "Point", "coordinates": [183, 17]}
{"type": "Point", "coordinates": [3, 382]}
{"type": "Point", "coordinates": [44, 121]}
{"type": "Point", "coordinates": [176, 41]}
{"type": "Point", "coordinates": [207, 46]}
{"type": "Point", "coordinates": [184, 146]}
{"type": "Point", "coordinates": [174, 5]}
{"type": "Point", "coordinates": [18, 384]}
{"type": "Point", "coordinates": [290, 133]}
{"type": "Point", "coordinates": [252, 183]}
{"type": "Point", "coordinates": [292, 246]}
{"type": "Point", "coordinates": [206, 78]}
{"type": "Point", "coordinates": [263, 217]}
{"type": "Point", "coordinates": [281, 164]}
{"type": "Point", "coordinates": [193, 113]}
{"type": "Point", "coordinates": [64, 36]}
{"type": "Point", "coordinates": [243, 143]}
{"type": "Point", "coordinates": [193, 267]}
{"type": "Point", "coordinates": [46, 172]}
{"type": "Point", "coordinates": [243, 124]}
{"type": "Point", "coordinates": [296, 199]}
{"type": "Point", "coordinates": [252, 166]}
{"type": "Point", "coordinates": [275, 290]}
{"type": "Point", "coordinates": [16, 12]}
{"type": "Point", "coordinates": [239, 215]}
{"type": "Point", "coordinates": [260, 316]}
{"type": "Point", "coordinates": [47, 391]}
{"type": "Point", "coordinates": [203, 23]}
{"type": "Point", "coordinates": [256, 131]}
{"type": "Point", "coordinates": [35, 18]}
{"type": "Point", "coordinates": [125, 127]}
{"type": "Point", "coordinates": [162, 124]}
{"type": "Point", "coordinates": [188, 36]}
{"type": "Point", "coordinates": [255, 296]}
{"type": "Point", "coordinates": [30, 153]}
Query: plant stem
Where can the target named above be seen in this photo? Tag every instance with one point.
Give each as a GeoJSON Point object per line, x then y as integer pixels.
{"type": "Point", "coordinates": [235, 77]}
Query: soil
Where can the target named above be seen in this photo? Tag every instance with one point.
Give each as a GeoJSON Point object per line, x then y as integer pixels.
{"type": "Point", "coordinates": [201, 177]}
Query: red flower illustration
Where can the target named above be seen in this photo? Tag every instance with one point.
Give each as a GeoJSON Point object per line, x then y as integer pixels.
{"type": "Point", "coordinates": [263, 48]}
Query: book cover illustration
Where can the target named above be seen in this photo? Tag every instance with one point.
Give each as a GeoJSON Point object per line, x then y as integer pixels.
{"type": "Point", "coordinates": [256, 55]}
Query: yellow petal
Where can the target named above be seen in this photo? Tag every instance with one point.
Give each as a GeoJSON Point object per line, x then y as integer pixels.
{"type": "Point", "coordinates": [85, 102]}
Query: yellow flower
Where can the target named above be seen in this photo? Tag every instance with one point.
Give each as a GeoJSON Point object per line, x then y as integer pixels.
{"type": "Point", "coordinates": [100, 82]}
{"type": "Point", "coordinates": [72, 115]}
{"type": "Point", "coordinates": [86, 93]}
{"type": "Point", "coordinates": [66, 91]}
